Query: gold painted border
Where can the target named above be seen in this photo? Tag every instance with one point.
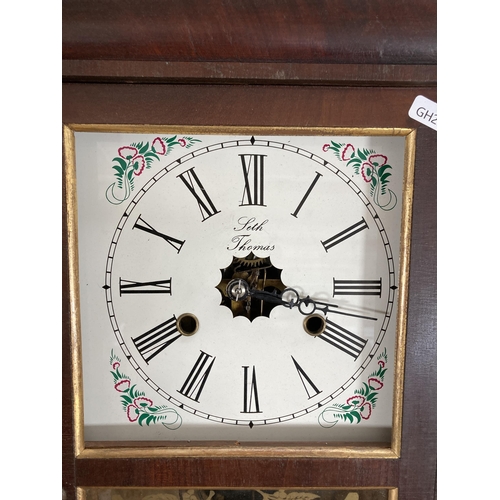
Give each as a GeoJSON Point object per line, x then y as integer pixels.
{"type": "Point", "coordinates": [74, 293]}
{"type": "Point", "coordinates": [404, 266]}
{"type": "Point", "coordinates": [237, 130]}
{"type": "Point", "coordinates": [217, 449]}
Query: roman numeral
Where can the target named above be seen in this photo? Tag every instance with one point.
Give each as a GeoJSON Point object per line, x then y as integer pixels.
{"type": "Point", "coordinates": [195, 382]}
{"type": "Point", "coordinates": [357, 287]}
{"type": "Point", "coordinates": [346, 233]}
{"type": "Point", "coordinates": [163, 286]}
{"type": "Point", "coordinates": [308, 192]}
{"type": "Point", "coordinates": [342, 339]}
{"type": "Point", "coordinates": [195, 187]}
{"type": "Point", "coordinates": [154, 341]}
{"type": "Point", "coordinates": [308, 384]}
{"type": "Point", "coordinates": [253, 173]}
{"type": "Point", "coordinates": [250, 394]}
{"type": "Point", "coordinates": [144, 226]}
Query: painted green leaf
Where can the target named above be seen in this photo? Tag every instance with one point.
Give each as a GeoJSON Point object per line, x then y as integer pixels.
{"type": "Point", "coordinates": [384, 177]}
{"type": "Point", "coordinates": [121, 161]}
{"type": "Point", "coordinates": [144, 149]}
{"type": "Point", "coordinates": [382, 169]}
{"type": "Point", "coordinates": [357, 415]}
{"type": "Point", "coordinates": [143, 417]}
{"type": "Point", "coordinates": [119, 170]}
{"type": "Point", "coordinates": [150, 155]}
{"type": "Point", "coordinates": [126, 399]}
{"type": "Point", "coordinates": [172, 139]}
{"type": "Point", "coordinates": [361, 155]}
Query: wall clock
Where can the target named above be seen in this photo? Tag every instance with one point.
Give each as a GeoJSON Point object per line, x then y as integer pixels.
{"type": "Point", "coordinates": [302, 74]}
{"type": "Point", "coordinates": [242, 285]}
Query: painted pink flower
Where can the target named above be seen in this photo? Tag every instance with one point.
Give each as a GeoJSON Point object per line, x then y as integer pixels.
{"type": "Point", "coordinates": [356, 401]}
{"type": "Point", "coordinates": [128, 152]}
{"type": "Point", "coordinates": [159, 146]}
{"type": "Point", "coordinates": [134, 410]}
{"type": "Point", "coordinates": [366, 411]}
{"type": "Point", "coordinates": [326, 147]}
{"type": "Point", "coordinates": [361, 404]}
{"type": "Point", "coordinates": [381, 363]}
{"type": "Point", "coordinates": [138, 164]}
{"type": "Point", "coordinates": [182, 142]}
{"type": "Point", "coordinates": [142, 402]}
{"type": "Point", "coordinates": [377, 160]}
{"type": "Point", "coordinates": [116, 365]}
{"type": "Point", "coordinates": [132, 413]}
{"type": "Point", "coordinates": [347, 152]}
{"type": "Point", "coordinates": [123, 385]}
{"type": "Point", "coordinates": [375, 383]}
{"type": "Point", "coordinates": [367, 171]}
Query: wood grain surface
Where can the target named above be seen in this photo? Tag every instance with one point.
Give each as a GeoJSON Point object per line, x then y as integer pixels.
{"type": "Point", "coordinates": [312, 31]}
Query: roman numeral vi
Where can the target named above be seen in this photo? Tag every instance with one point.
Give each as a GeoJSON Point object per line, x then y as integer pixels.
{"type": "Point", "coordinates": [250, 393]}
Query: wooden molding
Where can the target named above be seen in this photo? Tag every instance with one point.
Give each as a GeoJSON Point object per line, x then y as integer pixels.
{"type": "Point", "coordinates": [264, 31]}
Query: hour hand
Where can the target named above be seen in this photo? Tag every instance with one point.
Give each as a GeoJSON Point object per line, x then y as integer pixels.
{"type": "Point", "coordinates": [239, 289]}
{"type": "Point", "coordinates": [272, 297]}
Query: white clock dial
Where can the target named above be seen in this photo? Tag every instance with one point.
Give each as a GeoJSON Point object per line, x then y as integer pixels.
{"type": "Point", "coordinates": [263, 215]}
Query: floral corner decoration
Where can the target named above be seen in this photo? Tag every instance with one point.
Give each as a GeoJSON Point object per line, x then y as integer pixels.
{"type": "Point", "coordinates": [372, 167]}
{"type": "Point", "coordinates": [132, 160]}
{"type": "Point", "coordinates": [359, 406]}
{"type": "Point", "coordinates": [138, 407]}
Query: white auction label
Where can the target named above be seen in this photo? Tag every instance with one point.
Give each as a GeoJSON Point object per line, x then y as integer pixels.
{"type": "Point", "coordinates": [424, 111]}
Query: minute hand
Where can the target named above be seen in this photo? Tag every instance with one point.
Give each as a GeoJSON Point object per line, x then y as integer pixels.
{"type": "Point", "coordinates": [333, 308]}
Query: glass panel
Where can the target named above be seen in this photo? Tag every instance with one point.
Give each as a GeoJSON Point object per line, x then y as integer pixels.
{"type": "Point", "coordinates": [236, 494]}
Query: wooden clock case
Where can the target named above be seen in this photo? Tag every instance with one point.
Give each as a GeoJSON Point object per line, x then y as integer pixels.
{"type": "Point", "coordinates": [297, 63]}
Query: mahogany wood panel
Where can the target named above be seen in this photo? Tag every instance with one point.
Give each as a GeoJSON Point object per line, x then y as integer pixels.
{"type": "Point", "coordinates": [313, 31]}
{"type": "Point", "coordinates": [414, 473]}
{"type": "Point", "coordinates": [241, 105]}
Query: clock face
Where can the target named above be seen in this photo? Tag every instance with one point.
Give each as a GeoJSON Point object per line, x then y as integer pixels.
{"type": "Point", "coordinates": [251, 284]}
